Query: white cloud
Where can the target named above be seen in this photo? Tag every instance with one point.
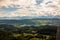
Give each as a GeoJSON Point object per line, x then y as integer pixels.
{"type": "Point", "coordinates": [43, 10]}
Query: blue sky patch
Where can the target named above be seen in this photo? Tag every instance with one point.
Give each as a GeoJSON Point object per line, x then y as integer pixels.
{"type": "Point", "coordinates": [10, 9]}
{"type": "Point", "coordinates": [38, 2]}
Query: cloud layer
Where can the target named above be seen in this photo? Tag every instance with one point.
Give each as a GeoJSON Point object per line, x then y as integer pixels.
{"type": "Point", "coordinates": [14, 8]}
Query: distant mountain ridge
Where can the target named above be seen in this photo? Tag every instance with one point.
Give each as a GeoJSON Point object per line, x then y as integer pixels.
{"type": "Point", "coordinates": [33, 21]}
{"type": "Point", "coordinates": [29, 17]}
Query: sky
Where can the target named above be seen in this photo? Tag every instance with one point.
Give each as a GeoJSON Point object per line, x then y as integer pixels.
{"type": "Point", "coordinates": [31, 8]}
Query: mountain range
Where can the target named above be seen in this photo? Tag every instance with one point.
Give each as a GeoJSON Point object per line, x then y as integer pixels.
{"type": "Point", "coordinates": [32, 21]}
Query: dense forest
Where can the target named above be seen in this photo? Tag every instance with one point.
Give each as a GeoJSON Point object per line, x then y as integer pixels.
{"type": "Point", "coordinates": [10, 32]}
